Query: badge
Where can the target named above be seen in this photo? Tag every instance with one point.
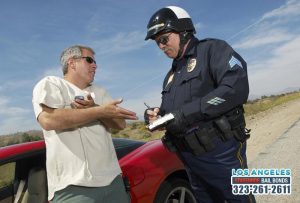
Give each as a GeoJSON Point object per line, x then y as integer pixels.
{"type": "Point", "coordinates": [170, 78]}
{"type": "Point", "coordinates": [191, 65]}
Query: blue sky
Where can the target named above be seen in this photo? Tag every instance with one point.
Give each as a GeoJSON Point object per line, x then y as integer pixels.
{"type": "Point", "coordinates": [33, 34]}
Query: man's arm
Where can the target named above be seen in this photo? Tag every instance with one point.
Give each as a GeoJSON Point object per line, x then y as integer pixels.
{"type": "Point", "coordinates": [118, 124]}
{"type": "Point", "coordinates": [61, 119]}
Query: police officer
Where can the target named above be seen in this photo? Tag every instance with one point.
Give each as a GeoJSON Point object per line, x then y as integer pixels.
{"type": "Point", "coordinates": [204, 91]}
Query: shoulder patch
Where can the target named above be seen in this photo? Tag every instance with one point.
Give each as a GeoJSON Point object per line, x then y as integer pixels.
{"type": "Point", "coordinates": [234, 61]}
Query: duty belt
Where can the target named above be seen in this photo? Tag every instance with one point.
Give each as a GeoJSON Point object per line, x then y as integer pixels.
{"type": "Point", "coordinates": [200, 140]}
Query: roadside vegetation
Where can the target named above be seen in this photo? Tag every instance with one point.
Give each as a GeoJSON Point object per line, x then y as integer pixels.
{"type": "Point", "coordinates": [267, 102]}
{"type": "Point", "coordinates": [137, 130]}
{"type": "Point", "coordinates": [7, 172]}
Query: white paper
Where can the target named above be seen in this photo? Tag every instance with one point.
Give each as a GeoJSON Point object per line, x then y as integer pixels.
{"type": "Point", "coordinates": [160, 122]}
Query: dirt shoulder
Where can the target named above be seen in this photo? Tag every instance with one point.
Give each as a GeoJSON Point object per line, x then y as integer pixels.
{"type": "Point", "coordinates": [266, 127]}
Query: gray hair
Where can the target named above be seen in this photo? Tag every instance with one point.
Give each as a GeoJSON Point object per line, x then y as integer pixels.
{"type": "Point", "coordinates": [72, 52]}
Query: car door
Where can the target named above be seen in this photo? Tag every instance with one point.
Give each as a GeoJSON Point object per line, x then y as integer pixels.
{"type": "Point", "coordinates": [15, 163]}
{"type": "Point", "coordinates": [7, 176]}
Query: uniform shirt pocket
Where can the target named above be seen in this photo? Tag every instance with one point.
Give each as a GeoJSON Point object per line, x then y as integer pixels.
{"type": "Point", "coordinates": [190, 84]}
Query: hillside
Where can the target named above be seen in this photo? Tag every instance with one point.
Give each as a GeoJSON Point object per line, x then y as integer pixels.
{"type": "Point", "coordinates": [255, 110]}
{"type": "Point", "coordinates": [266, 117]}
{"type": "Point", "coordinates": [20, 137]}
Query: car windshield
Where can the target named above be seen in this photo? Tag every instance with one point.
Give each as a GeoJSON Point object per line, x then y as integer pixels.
{"type": "Point", "coordinates": [125, 146]}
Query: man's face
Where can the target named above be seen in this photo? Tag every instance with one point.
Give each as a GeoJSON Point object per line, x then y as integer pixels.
{"type": "Point", "coordinates": [168, 43]}
{"type": "Point", "coordinates": [86, 67]}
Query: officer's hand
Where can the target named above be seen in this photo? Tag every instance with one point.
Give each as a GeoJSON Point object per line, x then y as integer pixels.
{"type": "Point", "coordinates": [178, 124]}
{"type": "Point", "coordinates": [150, 115]}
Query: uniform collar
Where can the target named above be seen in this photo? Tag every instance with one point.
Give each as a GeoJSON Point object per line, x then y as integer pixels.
{"type": "Point", "coordinates": [191, 47]}
{"type": "Point", "coordinates": [188, 52]}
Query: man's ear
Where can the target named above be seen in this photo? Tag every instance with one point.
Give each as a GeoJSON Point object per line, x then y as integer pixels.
{"type": "Point", "coordinates": [71, 63]}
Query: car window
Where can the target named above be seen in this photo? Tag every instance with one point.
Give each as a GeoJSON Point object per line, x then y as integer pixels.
{"type": "Point", "coordinates": [7, 174]}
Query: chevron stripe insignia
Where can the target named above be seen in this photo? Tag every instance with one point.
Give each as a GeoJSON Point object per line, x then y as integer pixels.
{"type": "Point", "coordinates": [234, 61]}
{"type": "Point", "coordinates": [216, 101]}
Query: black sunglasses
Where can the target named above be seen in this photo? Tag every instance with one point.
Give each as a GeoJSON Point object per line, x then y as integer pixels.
{"type": "Point", "coordinates": [88, 59]}
{"type": "Point", "coordinates": [164, 39]}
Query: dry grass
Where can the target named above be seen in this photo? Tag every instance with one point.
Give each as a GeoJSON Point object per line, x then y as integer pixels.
{"type": "Point", "coordinates": [138, 131]}
{"type": "Point", "coordinates": [256, 106]}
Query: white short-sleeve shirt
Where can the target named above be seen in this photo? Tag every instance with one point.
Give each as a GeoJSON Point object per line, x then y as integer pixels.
{"type": "Point", "coordinates": [82, 156]}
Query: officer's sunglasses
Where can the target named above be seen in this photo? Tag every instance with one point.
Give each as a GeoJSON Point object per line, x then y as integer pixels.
{"type": "Point", "coordinates": [164, 39]}
{"type": "Point", "coordinates": [88, 59]}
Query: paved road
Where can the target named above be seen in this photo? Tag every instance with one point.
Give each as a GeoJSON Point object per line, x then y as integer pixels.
{"type": "Point", "coordinates": [282, 153]}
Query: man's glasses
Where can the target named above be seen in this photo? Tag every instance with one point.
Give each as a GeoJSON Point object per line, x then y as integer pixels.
{"type": "Point", "coordinates": [164, 39]}
{"type": "Point", "coordinates": [88, 59]}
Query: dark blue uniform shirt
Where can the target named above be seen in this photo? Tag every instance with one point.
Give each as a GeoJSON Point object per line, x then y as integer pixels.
{"type": "Point", "coordinates": [208, 81]}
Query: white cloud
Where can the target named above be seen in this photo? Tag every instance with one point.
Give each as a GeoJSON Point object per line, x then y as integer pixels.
{"type": "Point", "coordinates": [15, 85]}
{"type": "Point", "coordinates": [141, 85]}
{"type": "Point", "coordinates": [153, 99]}
{"type": "Point", "coordinates": [13, 111]}
{"type": "Point", "coordinates": [264, 37]}
{"type": "Point", "coordinates": [290, 9]}
{"type": "Point", "coordinates": [7, 110]}
{"type": "Point", "coordinates": [279, 72]}
{"type": "Point", "coordinates": [272, 27]}
{"type": "Point", "coordinates": [198, 26]}
{"type": "Point", "coordinates": [273, 44]}
{"type": "Point", "coordinates": [3, 102]}
{"type": "Point", "coordinates": [17, 124]}
{"type": "Point", "coordinates": [56, 71]}
{"type": "Point", "coordinates": [13, 119]}
{"type": "Point", "coordinates": [120, 43]}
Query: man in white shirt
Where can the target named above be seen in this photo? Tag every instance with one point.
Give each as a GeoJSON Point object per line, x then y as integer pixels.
{"type": "Point", "coordinates": [81, 160]}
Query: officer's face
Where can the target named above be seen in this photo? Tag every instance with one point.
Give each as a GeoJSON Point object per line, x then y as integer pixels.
{"type": "Point", "coordinates": [168, 43]}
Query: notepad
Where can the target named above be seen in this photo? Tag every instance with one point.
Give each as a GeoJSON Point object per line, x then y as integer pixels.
{"type": "Point", "coordinates": [162, 121]}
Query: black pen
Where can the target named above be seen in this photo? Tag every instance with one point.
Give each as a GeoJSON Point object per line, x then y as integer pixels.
{"type": "Point", "coordinates": [147, 105]}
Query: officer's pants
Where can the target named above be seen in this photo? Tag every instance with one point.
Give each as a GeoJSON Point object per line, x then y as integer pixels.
{"type": "Point", "coordinates": [210, 173]}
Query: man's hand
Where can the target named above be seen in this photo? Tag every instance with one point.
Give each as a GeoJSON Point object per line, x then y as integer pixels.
{"type": "Point", "coordinates": [81, 104]}
{"type": "Point", "coordinates": [112, 116]}
{"type": "Point", "coordinates": [112, 110]}
{"type": "Point", "coordinates": [151, 114]}
{"type": "Point", "coordinates": [61, 119]}
{"type": "Point", "coordinates": [116, 115]}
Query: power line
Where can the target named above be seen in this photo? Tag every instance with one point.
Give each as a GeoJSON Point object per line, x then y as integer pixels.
{"type": "Point", "coordinates": [230, 38]}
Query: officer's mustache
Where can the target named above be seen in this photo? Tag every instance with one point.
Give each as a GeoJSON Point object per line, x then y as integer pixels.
{"type": "Point", "coordinates": [165, 49]}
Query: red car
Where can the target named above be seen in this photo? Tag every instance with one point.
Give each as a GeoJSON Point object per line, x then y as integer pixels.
{"type": "Point", "coordinates": [155, 175]}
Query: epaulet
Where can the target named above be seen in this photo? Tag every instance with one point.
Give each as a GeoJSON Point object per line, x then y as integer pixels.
{"type": "Point", "coordinates": [213, 41]}
{"type": "Point", "coordinates": [206, 39]}
{"type": "Point", "coordinates": [209, 39]}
